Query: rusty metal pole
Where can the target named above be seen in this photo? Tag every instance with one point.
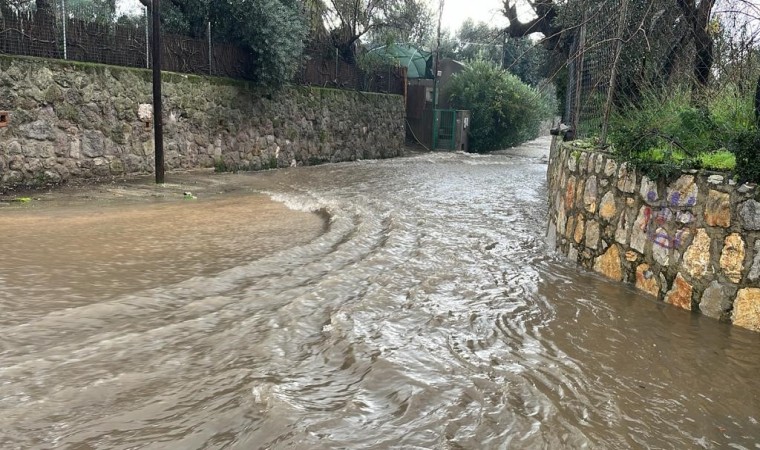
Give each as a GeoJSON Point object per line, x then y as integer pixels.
{"type": "Point", "coordinates": [158, 121]}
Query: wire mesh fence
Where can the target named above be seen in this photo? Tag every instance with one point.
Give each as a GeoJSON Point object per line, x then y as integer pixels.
{"type": "Point", "coordinates": [323, 66]}
{"type": "Point", "coordinates": [67, 31]}
{"type": "Point", "coordinates": [621, 53]}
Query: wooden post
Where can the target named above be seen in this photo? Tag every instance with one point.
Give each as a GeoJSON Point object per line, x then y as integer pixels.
{"type": "Point", "coordinates": [158, 121]}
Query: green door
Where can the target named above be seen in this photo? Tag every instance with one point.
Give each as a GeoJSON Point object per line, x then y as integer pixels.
{"type": "Point", "coordinates": [444, 129]}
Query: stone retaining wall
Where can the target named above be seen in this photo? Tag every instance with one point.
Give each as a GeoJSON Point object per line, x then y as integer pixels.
{"type": "Point", "coordinates": [693, 241]}
{"type": "Point", "coordinates": [74, 120]}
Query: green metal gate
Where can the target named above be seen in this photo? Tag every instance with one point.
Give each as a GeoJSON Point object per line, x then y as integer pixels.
{"type": "Point", "coordinates": [444, 129]}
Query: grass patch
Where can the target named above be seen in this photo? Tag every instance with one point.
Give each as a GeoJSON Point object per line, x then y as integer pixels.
{"type": "Point", "coordinates": [665, 133]}
{"type": "Point", "coordinates": [721, 160]}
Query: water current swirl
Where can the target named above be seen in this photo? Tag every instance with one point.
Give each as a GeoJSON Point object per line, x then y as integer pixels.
{"type": "Point", "coordinates": [407, 303]}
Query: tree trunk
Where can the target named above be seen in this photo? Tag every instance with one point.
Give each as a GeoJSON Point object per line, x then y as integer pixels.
{"type": "Point", "coordinates": [757, 103]}
{"type": "Point", "coordinates": [703, 59]}
{"type": "Point", "coordinates": [43, 5]}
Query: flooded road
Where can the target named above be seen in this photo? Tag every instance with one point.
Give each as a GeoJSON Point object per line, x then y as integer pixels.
{"type": "Point", "coordinates": [406, 303]}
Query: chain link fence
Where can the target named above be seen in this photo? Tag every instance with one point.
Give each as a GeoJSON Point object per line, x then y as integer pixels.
{"type": "Point", "coordinates": [67, 31]}
{"type": "Point", "coordinates": [321, 65]}
{"type": "Point", "coordinates": [621, 53]}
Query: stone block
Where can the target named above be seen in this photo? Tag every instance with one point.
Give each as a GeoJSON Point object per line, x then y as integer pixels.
{"type": "Point", "coordinates": [592, 235]}
{"type": "Point", "coordinates": [754, 271]}
{"type": "Point", "coordinates": [609, 264]}
{"type": "Point", "coordinates": [570, 227]}
{"type": "Point", "coordinates": [680, 293]}
{"type": "Point", "coordinates": [580, 228]}
{"type": "Point", "coordinates": [582, 162]}
{"type": "Point", "coordinates": [749, 212]}
{"type": "Point", "coordinates": [646, 280]}
{"type": "Point", "coordinates": [639, 229]}
{"type": "Point", "coordinates": [599, 163]}
{"type": "Point", "coordinates": [14, 148]}
{"type": "Point", "coordinates": [590, 195]}
{"type": "Point", "coordinates": [716, 300]}
{"type": "Point", "coordinates": [747, 309]}
{"type": "Point", "coordinates": [572, 162]}
{"type": "Point", "coordinates": [570, 192]}
{"type": "Point", "coordinates": [682, 239]}
{"type": "Point", "coordinates": [661, 247]}
{"type": "Point", "coordinates": [648, 190]}
{"type": "Point", "coordinates": [715, 179]}
{"type": "Point", "coordinates": [626, 178]}
{"type": "Point", "coordinates": [93, 144]}
{"type": "Point", "coordinates": [572, 254]}
{"type": "Point", "coordinates": [732, 257]}
{"type": "Point", "coordinates": [607, 208]}
{"type": "Point", "coordinates": [622, 230]}
{"type": "Point", "coordinates": [610, 167]}
{"type": "Point", "coordinates": [745, 188]}
{"type": "Point", "coordinates": [561, 218]}
{"type": "Point", "coordinates": [683, 192]}
{"type": "Point", "coordinates": [718, 209]}
{"type": "Point", "coordinates": [39, 130]}
{"type": "Point", "coordinates": [580, 189]}
{"type": "Point", "coordinates": [685, 217]}
{"type": "Point", "coordinates": [696, 259]}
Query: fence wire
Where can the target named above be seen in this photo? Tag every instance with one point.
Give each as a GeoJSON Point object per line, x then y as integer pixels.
{"type": "Point", "coordinates": [67, 31]}
{"type": "Point", "coordinates": [621, 51]}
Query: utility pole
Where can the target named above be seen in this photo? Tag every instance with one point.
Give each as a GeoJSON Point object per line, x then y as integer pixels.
{"type": "Point", "coordinates": [436, 115]}
{"type": "Point", "coordinates": [158, 120]}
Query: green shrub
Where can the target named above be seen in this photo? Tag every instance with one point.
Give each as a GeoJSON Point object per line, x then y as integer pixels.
{"type": "Point", "coordinates": [747, 152]}
{"type": "Point", "coordinates": [665, 133]}
{"type": "Point", "coordinates": [505, 111]}
{"type": "Point", "coordinates": [720, 160]}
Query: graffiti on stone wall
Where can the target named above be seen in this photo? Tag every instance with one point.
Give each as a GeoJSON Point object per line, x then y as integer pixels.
{"type": "Point", "coordinates": [653, 226]}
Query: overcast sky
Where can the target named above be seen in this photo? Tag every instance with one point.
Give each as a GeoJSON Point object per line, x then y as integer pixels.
{"type": "Point", "coordinates": [457, 11]}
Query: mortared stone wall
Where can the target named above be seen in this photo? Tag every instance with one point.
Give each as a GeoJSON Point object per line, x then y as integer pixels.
{"type": "Point", "coordinates": [692, 241]}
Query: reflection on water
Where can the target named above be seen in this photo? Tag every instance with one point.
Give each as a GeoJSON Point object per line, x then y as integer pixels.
{"type": "Point", "coordinates": [426, 312]}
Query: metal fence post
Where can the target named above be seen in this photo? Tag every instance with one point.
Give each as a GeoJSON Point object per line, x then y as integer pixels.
{"type": "Point", "coordinates": [579, 75]}
{"type": "Point", "coordinates": [210, 50]}
{"type": "Point", "coordinates": [147, 40]}
{"type": "Point", "coordinates": [63, 14]}
{"type": "Point", "coordinates": [613, 72]}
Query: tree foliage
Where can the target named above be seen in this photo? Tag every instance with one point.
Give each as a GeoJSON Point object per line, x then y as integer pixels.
{"type": "Point", "coordinates": [660, 35]}
{"type": "Point", "coordinates": [475, 41]}
{"type": "Point", "coordinates": [273, 30]}
{"type": "Point", "coordinates": [505, 111]}
{"type": "Point", "coordinates": [348, 21]}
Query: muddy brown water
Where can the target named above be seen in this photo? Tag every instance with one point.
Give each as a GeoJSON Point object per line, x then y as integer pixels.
{"type": "Point", "coordinates": [407, 303]}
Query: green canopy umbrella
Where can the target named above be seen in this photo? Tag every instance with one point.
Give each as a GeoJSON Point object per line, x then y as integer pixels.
{"type": "Point", "coordinates": [418, 62]}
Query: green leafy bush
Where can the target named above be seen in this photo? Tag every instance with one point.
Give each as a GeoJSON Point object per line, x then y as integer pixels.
{"type": "Point", "coordinates": [720, 160]}
{"type": "Point", "coordinates": [666, 133]}
{"type": "Point", "coordinates": [747, 152]}
{"type": "Point", "coordinates": [272, 30]}
{"type": "Point", "coordinates": [505, 111]}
